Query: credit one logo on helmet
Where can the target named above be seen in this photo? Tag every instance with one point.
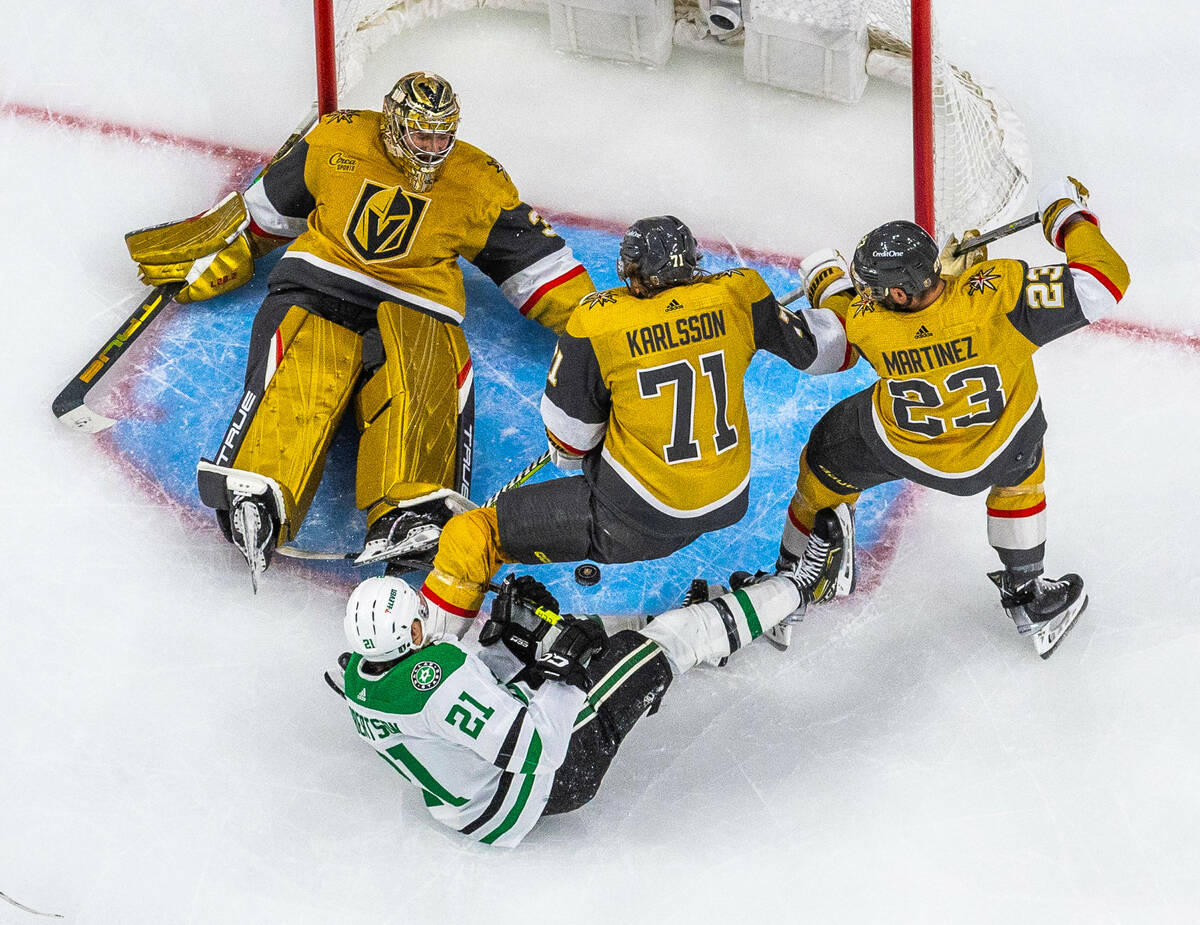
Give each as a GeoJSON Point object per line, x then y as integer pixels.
{"type": "Point", "coordinates": [384, 222]}
{"type": "Point", "coordinates": [887, 253]}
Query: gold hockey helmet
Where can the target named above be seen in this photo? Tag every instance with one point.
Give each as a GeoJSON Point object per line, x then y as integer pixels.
{"type": "Point", "coordinates": [420, 119]}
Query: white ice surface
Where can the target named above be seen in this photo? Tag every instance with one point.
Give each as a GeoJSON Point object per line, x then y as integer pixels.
{"type": "Point", "coordinates": [169, 751]}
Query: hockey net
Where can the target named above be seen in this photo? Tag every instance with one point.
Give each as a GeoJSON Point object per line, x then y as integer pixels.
{"type": "Point", "coordinates": [981, 162]}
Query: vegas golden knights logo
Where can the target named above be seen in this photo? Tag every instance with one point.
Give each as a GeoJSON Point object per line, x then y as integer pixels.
{"type": "Point", "coordinates": [384, 222]}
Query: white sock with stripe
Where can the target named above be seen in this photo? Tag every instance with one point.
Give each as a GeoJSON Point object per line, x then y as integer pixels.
{"type": "Point", "coordinates": [715, 629]}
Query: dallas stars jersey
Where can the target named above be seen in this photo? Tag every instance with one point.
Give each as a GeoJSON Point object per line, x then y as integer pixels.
{"type": "Point", "coordinates": [482, 753]}
{"type": "Point", "coordinates": [363, 238]}
{"type": "Point", "coordinates": [656, 384]}
{"type": "Point", "coordinates": [956, 380]}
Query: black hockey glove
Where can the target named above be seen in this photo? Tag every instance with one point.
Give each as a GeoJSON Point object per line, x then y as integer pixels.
{"type": "Point", "coordinates": [515, 620]}
{"type": "Point", "coordinates": [567, 660]}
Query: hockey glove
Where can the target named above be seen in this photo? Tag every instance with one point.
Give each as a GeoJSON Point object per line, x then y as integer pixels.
{"type": "Point", "coordinates": [952, 264]}
{"type": "Point", "coordinates": [568, 657]}
{"type": "Point", "coordinates": [824, 273]}
{"type": "Point", "coordinates": [522, 613]}
{"type": "Point", "coordinates": [1058, 203]}
{"type": "Point", "coordinates": [211, 252]}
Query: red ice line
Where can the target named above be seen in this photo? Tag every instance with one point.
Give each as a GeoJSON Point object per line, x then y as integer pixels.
{"type": "Point", "coordinates": [240, 160]}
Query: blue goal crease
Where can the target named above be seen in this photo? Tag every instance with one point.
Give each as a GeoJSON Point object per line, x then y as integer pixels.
{"type": "Point", "coordinates": [184, 380]}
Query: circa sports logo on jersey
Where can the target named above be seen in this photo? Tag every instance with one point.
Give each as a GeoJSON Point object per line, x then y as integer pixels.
{"type": "Point", "coordinates": [384, 222]}
{"type": "Point", "coordinates": [426, 675]}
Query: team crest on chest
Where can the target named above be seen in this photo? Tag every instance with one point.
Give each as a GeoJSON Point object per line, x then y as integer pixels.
{"type": "Point", "coordinates": [384, 222]}
{"type": "Point", "coordinates": [426, 675]}
{"type": "Point", "coordinates": [983, 281]}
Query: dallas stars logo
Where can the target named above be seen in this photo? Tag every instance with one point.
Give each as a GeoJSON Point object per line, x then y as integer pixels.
{"type": "Point", "coordinates": [862, 306]}
{"type": "Point", "coordinates": [426, 675]}
{"type": "Point", "coordinates": [983, 281]}
{"type": "Point", "coordinates": [597, 299]}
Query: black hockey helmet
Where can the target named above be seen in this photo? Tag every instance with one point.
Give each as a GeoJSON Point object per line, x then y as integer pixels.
{"type": "Point", "coordinates": [900, 255]}
{"type": "Point", "coordinates": [657, 253]}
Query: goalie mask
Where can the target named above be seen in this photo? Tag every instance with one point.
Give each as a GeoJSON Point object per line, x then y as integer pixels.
{"type": "Point", "coordinates": [897, 255]}
{"type": "Point", "coordinates": [385, 619]}
{"type": "Point", "coordinates": [420, 119]}
{"type": "Point", "coordinates": [657, 253]}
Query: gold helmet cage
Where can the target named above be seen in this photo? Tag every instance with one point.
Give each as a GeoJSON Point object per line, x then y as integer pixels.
{"type": "Point", "coordinates": [420, 119]}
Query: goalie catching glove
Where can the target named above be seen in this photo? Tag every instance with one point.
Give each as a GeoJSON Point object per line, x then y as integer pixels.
{"type": "Point", "coordinates": [212, 252]}
{"type": "Point", "coordinates": [1058, 203]}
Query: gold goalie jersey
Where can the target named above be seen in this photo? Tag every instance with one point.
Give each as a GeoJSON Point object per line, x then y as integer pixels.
{"type": "Point", "coordinates": [956, 380]}
{"type": "Point", "coordinates": [654, 385]}
{"type": "Point", "coordinates": [362, 238]}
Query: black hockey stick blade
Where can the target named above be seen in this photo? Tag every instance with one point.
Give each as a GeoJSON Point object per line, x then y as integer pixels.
{"type": "Point", "coordinates": [70, 404]}
{"type": "Point", "coordinates": [1000, 231]}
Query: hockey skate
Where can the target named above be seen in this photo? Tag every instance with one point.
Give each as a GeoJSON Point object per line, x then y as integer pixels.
{"type": "Point", "coordinates": [1043, 608]}
{"type": "Point", "coordinates": [407, 537]}
{"type": "Point", "coordinates": [253, 530]}
{"type": "Point", "coordinates": [827, 568]}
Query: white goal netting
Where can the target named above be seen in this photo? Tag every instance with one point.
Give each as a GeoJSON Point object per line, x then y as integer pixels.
{"type": "Point", "coordinates": [982, 162]}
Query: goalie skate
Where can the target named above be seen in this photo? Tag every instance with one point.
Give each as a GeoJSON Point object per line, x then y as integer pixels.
{"type": "Point", "coordinates": [1045, 609]}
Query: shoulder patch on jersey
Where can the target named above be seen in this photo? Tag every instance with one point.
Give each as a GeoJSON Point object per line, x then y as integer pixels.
{"type": "Point", "coordinates": [426, 675]}
{"type": "Point", "coordinates": [596, 299]}
{"type": "Point", "coordinates": [726, 274]}
{"type": "Point", "coordinates": [983, 280]}
{"type": "Point", "coordinates": [343, 115]}
{"type": "Point", "coordinates": [862, 306]}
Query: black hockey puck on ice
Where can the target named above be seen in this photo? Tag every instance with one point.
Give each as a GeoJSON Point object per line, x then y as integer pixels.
{"type": "Point", "coordinates": [587, 574]}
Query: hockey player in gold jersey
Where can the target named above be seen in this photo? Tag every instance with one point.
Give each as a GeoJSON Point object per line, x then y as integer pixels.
{"type": "Point", "coordinates": [364, 309]}
{"type": "Point", "coordinates": [644, 394]}
{"type": "Point", "coordinates": [956, 407]}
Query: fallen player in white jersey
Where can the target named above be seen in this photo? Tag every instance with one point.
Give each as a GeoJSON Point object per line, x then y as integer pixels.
{"type": "Point", "coordinates": [498, 737]}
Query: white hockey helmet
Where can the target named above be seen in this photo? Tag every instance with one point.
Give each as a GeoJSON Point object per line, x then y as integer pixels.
{"type": "Point", "coordinates": [380, 618]}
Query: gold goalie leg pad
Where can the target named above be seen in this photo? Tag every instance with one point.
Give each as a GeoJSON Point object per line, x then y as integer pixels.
{"type": "Point", "coordinates": [309, 374]}
{"type": "Point", "coordinates": [411, 413]}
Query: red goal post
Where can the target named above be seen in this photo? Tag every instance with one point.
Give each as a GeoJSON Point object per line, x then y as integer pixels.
{"type": "Point", "coordinates": [971, 163]}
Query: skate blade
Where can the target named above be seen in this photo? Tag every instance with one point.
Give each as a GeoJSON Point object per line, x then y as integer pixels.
{"type": "Point", "coordinates": [847, 575]}
{"type": "Point", "coordinates": [780, 636]}
{"type": "Point", "coordinates": [1048, 642]}
{"type": "Point", "coordinates": [419, 539]}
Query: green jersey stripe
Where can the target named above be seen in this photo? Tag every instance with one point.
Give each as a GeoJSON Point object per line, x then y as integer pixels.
{"type": "Point", "coordinates": [533, 754]}
{"type": "Point", "coordinates": [424, 778]}
{"type": "Point", "coordinates": [513, 814]}
{"type": "Point", "coordinates": [750, 613]}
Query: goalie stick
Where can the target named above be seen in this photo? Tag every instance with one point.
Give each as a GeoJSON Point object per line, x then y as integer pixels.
{"type": "Point", "coordinates": [995, 234]}
{"type": "Point", "coordinates": [70, 405]}
{"type": "Point", "coordinates": [295, 552]}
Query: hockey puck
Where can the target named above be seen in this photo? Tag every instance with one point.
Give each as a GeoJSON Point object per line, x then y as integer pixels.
{"type": "Point", "coordinates": [587, 574]}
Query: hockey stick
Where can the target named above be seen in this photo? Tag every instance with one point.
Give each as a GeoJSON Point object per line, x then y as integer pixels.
{"type": "Point", "coordinates": [295, 552]}
{"type": "Point", "coordinates": [1000, 231]}
{"type": "Point", "coordinates": [69, 405]}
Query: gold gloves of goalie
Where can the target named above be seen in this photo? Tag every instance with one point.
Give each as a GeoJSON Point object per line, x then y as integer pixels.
{"type": "Point", "coordinates": [211, 252]}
